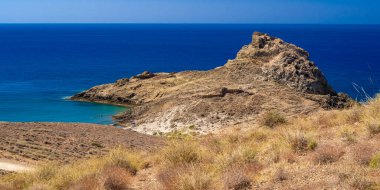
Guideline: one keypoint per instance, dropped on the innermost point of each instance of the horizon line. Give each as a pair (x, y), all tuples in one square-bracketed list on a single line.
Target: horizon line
[(185, 23)]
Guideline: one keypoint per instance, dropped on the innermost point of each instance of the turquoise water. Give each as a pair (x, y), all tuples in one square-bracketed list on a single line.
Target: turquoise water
[(43, 101), (40, 64)]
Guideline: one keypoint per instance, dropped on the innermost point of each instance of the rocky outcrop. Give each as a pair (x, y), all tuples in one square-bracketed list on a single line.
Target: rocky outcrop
[(267, 75), (144, 75), (284, 63)]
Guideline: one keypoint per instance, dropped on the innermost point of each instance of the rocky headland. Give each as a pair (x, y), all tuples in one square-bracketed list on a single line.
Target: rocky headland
[(268, 75)]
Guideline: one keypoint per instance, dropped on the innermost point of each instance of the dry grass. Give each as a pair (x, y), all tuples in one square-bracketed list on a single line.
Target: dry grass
[(272, 119), (56, 176), (363, 153), (280, 175), (88, 182), (300, 143), (327, 154), (331, 150), (182, 152), (185, 177), (236, 178), (348, 136), (117, 179), (373, 127)]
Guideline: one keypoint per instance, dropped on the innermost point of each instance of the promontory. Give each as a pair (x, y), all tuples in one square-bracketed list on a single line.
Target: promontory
[(267, 75)]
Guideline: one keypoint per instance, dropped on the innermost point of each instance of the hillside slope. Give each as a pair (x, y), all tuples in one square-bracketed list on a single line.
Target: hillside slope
[(335, 149)]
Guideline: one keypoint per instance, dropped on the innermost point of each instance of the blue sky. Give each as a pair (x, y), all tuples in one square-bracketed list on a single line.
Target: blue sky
[(191, 11)]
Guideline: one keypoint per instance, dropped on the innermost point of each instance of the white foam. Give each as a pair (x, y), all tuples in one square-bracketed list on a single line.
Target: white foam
[(66, 98)]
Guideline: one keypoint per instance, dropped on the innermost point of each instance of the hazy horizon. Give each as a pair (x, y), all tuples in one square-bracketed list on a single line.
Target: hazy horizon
[(174, 23), (191, 12)]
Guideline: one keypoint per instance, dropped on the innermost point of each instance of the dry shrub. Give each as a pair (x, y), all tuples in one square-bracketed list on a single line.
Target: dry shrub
[(289, 157), (116, 179), (236, 178), (15, 186), (272, 156), (327, 154), (46, 172), (272, 119), (39, 187), (354, 115), (168, 176), (259, 136), (373, 127), (14, 181), (182, 152), (280, 175), (360, 182), (355, 178), (348, 136), (241, 155), (300, 143), (185, 177), (233, 138), (89, 182), (71, 175), (213, 144), (9, 187), (194, 180), (326, 120), (39, 178), (363, 153), (122, 158)]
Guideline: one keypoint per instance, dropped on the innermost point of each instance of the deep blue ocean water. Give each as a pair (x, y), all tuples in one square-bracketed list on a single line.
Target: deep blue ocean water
[(40, 64)]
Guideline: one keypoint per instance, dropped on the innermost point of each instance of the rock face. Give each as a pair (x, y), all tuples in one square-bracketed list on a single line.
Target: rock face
[(284, 63), (267, 75)]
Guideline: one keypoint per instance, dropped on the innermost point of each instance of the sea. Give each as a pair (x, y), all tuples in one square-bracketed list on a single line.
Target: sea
[(43, 64)]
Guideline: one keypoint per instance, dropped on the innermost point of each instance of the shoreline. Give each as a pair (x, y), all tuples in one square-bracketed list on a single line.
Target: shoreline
[(114, 121)]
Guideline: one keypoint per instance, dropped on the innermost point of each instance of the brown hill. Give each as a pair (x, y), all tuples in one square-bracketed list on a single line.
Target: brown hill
[(268, 75)]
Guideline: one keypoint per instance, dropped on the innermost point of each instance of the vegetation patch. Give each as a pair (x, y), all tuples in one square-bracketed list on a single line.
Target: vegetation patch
[(300, 143), (183, 152), (252, 158), (236, 177), (272, 119), (327, 154), (373, 127), (363, 153), (375, 161), (96, 144)]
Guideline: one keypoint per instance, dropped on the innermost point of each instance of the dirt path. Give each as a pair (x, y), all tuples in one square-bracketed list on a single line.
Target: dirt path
[(12, 166)]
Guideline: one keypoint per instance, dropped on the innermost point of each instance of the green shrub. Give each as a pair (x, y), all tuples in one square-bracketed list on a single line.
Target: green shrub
[(193, 127), (97, 145), (312, 145), (375, 161)]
